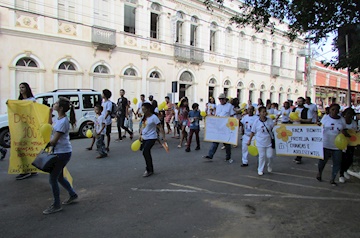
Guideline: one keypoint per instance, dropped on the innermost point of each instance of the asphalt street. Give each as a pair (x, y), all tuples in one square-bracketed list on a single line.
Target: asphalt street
[(186, 197)]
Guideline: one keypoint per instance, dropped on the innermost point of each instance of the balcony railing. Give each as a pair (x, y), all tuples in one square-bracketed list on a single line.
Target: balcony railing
[(103, 38), (275, 71), (243, 64), (299, 76), (188, 54)]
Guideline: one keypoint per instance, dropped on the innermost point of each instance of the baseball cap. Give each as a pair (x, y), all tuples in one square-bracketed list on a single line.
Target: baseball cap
[(222, 95)]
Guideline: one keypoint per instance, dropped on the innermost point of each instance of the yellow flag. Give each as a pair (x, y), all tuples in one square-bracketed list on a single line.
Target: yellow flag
[(25, 119)]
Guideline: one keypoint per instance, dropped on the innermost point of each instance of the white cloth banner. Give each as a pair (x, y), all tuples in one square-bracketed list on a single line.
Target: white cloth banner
[(299, 140), (221, 129)]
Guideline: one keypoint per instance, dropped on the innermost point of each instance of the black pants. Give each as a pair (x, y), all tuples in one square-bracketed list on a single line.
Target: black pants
[(192, 131), (347, 159), (120, 124), (147, 145)]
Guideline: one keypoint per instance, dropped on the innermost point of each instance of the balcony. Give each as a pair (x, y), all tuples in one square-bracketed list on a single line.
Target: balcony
[(188, 54), (299, 76), (103, 38), (242, 64), (275, 71)]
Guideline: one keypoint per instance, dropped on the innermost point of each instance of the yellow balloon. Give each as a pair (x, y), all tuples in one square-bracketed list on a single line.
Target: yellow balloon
[(253, 150), (179, 103), (272, 116), (160, 107), (203, 113), (135, 146), (353, 139), (45, 131), (294, 116), (166, 108), (243, 105), (341, 142), (135, 100), (89, 133)]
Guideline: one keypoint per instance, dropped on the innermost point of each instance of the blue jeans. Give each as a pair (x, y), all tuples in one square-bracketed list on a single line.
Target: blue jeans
[(214, 147), (100, 145), (336, 158), (57, 175), (147, 145)]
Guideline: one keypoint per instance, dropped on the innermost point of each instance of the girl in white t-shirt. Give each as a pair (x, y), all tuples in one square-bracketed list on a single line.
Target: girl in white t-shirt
[(333, 125), (60, 139), (262, 130), (148, 135)]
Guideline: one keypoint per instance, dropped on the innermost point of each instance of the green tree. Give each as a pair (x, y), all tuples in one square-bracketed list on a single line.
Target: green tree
[(314, 19)]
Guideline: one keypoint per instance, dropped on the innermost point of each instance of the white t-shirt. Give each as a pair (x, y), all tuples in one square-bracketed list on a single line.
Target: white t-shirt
[(130, 113), (225, 110), (314, 110), (262, 136), (351, 126), (107, 106), (332, 127), (149, 127), (140, 106), (211, 107), (63, 144), (248, 122), (309, 114), (285, 114), (98, 124), (176, 116), (30, 99)]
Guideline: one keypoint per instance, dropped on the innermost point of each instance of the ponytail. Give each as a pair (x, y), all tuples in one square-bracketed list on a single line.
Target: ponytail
[(67, 105)]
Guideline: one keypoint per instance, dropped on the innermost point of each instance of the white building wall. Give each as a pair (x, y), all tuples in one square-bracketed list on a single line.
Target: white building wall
[(49, 39)]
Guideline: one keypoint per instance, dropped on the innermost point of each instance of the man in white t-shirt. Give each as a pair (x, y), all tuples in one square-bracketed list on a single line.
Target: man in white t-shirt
[(313, 109), (224, 109), (246, 125)]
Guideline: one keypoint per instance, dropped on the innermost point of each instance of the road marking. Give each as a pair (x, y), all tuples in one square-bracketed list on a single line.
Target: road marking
[(293, 175), (301, 185), (163, 190), (191, 187)]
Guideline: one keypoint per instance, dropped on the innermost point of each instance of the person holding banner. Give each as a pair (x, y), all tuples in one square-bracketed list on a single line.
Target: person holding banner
[(25, 94), (333, 125), (262, 130), (306, 117), (224, 109), (284, 114), (60, 140), (246, 124)]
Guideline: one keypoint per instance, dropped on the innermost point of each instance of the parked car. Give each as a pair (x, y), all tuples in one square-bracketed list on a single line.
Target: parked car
[(83, 100)]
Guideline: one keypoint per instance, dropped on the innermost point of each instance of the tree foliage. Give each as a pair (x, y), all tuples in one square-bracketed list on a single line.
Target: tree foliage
[(315, 19)]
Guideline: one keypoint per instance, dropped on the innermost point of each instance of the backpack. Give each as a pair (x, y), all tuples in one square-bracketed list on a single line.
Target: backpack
[(113, 110)]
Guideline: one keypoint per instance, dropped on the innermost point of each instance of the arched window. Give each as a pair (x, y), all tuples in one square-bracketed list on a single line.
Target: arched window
[(212, 81), (67, 66), (193, 31), (26, 62), (155, 75), (101, 69), (179, 27), (130, 72), (186, 77), (213, 29), (154, 20), (240, 85), (227, 83)]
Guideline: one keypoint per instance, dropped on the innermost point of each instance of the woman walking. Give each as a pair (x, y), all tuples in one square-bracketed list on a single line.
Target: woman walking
[(148, 135), (262, 129), (60, 140)]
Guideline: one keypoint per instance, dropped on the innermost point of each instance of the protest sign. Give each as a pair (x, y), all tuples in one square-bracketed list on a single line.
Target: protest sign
[(221, 129), (299, 140)]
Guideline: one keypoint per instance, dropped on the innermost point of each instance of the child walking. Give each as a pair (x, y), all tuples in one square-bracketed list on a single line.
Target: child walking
[(100, 131), (194, 117)]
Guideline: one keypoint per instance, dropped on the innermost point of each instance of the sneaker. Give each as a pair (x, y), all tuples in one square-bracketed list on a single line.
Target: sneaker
[(3, 153), (118, 140), (101, 156), (207, 157), (244, 165), (230, 161), (223, 147), (346, 175), (260, 173), (269, 169), (71, 199), (89, 148), (34, 174), (23, 176), (147, 174), (197, 148), (124, 136), (107, 149), (52, 209), (187, 149), (297, 160), (332, 182), (341, 180)]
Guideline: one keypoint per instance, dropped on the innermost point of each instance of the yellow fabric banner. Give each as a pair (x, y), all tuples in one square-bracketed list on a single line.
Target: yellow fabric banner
[(25, 119)]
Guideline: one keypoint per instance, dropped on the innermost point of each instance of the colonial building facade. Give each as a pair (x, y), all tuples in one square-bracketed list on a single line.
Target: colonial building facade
[(162, 47)]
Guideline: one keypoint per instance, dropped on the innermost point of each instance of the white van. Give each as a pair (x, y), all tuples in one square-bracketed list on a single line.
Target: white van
[(83, 100)]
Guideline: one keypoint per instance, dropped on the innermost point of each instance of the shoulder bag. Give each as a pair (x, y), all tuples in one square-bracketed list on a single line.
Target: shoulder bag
[(271, 136), (45, 160)]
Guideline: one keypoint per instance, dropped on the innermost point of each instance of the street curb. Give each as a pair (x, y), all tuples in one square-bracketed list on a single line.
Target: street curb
[(355, 174)]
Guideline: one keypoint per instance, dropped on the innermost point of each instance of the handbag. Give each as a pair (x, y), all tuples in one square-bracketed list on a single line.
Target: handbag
[(45, 160), (271, 136)]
